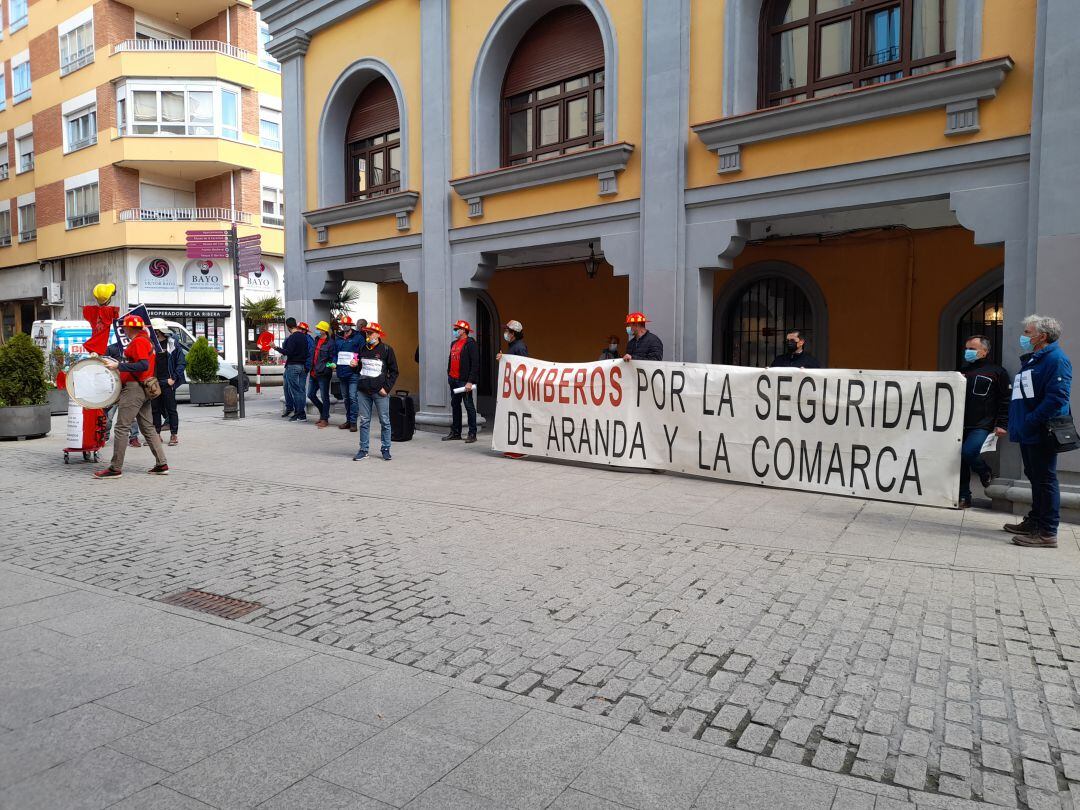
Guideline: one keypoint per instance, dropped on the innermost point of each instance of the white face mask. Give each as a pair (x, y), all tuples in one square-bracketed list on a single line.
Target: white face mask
[(508, 337), (613, 346)]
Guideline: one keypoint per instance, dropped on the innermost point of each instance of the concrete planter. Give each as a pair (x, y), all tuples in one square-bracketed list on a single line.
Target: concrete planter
[(207, 393), (25, 421), (58, 401)]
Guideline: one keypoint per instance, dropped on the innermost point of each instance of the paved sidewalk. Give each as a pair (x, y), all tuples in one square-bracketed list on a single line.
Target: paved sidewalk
[(115, 702), (912, 648)]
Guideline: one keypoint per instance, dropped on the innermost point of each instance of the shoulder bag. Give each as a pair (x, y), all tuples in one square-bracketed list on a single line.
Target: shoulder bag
[(1061, 433)]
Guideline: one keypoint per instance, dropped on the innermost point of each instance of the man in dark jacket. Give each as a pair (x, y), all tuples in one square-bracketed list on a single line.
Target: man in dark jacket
[(321, 362), (169, 365), (462, 373), (1040, 392), (376, 371), (794, 355), (986, 410), (642, 344), (349, 344), (514, 335), (296, 351)]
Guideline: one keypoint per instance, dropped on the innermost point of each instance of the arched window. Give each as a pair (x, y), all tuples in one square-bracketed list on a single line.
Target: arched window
[(373, 143), (987, 317), (553, 91), (760, 316), (815, 48)]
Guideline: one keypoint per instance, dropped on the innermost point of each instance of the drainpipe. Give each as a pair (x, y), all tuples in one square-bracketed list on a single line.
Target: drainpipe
[(228, 25)]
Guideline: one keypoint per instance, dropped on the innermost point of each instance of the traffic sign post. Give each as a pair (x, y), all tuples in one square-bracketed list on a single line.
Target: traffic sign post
[(232, 241)]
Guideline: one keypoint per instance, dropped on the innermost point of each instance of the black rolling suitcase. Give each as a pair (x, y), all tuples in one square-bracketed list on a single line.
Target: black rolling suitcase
[(402, 416)]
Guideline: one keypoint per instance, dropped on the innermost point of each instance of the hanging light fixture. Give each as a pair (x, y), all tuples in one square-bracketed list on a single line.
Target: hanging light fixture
[(591, 263)]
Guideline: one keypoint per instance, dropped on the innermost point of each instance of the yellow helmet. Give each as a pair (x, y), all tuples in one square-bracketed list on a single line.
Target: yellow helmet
[(104, 293), (323, 326)]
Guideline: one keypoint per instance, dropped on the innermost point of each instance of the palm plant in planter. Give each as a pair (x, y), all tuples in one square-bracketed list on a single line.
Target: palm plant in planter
[(24, 395), (58, 396), (204, 385)]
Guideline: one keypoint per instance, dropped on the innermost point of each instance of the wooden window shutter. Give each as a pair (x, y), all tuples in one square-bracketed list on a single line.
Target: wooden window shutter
[(375, 112), (562, 44)]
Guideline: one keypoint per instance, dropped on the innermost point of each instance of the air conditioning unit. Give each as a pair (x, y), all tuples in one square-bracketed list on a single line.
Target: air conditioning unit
[(53, 293)]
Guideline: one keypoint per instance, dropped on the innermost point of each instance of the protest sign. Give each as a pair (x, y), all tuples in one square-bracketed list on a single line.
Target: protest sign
[(888, 435)]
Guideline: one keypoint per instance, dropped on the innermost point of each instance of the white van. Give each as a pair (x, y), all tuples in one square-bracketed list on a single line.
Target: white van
[(70, 335)]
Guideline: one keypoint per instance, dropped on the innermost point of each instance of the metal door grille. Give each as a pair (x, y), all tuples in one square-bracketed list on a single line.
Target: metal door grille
[(759, 318), (985, 318)]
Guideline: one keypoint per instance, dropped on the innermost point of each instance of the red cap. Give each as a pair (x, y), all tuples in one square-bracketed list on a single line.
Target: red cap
[(462, 325), (636, 317), (133, 322)]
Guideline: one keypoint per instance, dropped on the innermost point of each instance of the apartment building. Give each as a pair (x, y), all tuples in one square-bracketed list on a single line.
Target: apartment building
[(888, 176), (123, 125)]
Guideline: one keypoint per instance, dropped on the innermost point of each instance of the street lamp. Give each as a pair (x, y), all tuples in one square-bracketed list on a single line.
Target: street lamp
[(591, 263)]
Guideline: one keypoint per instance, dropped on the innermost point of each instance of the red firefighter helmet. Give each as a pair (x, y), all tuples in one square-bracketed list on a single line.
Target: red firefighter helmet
[(462, 325), (303, 327), (133, 322), (345, 320), (636, 317), (375, 328)]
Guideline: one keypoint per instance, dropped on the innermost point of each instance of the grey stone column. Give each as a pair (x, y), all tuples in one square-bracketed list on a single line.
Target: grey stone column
[(710, 246), (436, 294), (289, 49), (666, 46)]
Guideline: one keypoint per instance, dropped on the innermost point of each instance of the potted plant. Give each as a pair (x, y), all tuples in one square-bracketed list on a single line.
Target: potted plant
[(24, 397), (58, 397), (204, 385)]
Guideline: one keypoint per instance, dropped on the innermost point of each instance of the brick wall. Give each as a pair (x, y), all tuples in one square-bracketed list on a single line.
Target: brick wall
[(50, 204), (113, 22), (249, 111), (245, 29), (106, 106), (247, 197), (213, 192), (11, 151), (44, 54), (7, 80), (118, 188), (48, 130), (214, 28)]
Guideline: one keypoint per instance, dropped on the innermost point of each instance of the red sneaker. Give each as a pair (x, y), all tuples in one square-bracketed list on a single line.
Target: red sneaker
[(108, 472), (159, 469), (134, 442)]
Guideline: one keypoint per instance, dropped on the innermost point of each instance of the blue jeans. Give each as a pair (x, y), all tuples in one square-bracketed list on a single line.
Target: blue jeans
[(320, 387), (456, 401), (348, 393), (295, 400), (382, 405), (970, 460), (1040, 466)]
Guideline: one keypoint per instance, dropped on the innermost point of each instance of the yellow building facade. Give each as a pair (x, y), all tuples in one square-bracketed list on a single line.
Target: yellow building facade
[(124, 126), (885, 177)]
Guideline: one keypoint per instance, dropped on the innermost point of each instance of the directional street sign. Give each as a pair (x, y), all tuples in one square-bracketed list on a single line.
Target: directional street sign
[(207, 252), (207, 234)]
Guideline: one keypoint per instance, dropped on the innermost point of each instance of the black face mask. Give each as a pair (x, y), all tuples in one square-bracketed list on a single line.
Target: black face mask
[(792, 346)]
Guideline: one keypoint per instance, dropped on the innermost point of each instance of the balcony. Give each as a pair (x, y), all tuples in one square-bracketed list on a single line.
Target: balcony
[(193, 11), (188, 157), (185, 215), (78, 60), (82, 220), (183, 46), (26, 162)]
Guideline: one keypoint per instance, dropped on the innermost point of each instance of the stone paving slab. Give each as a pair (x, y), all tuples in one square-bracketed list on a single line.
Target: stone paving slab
[(897, 648)]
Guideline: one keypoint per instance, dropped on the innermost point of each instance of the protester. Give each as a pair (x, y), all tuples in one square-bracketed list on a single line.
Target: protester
[(611, 351), (321, 363), (349, 344), (514, 335), (642, 344), (377, 370), (986, 410), (1040, 393), (296, 351), (136, 367), (463, 373), (794, 355), (116, 352), (169, 365)]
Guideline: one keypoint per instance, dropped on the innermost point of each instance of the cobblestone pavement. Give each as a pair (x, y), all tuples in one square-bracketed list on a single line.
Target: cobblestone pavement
[(910, 647)]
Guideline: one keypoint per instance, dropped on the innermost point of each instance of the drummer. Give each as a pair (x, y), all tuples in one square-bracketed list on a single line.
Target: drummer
[(136, 367)]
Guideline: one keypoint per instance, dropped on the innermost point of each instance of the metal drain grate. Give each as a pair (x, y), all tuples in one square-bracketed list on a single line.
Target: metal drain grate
[(212, 603)]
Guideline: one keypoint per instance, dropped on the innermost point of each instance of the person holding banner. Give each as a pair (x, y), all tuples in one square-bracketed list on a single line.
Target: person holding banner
[(377, 371), (349, 343), (1040, 397), (321, 362), (514, 335), (136, 367), (794, 355), (642, 344), (462, 373), (986, 411)]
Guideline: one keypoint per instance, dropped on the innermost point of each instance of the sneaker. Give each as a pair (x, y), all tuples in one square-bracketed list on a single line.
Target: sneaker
[(1036, 539), (986, 479), (174, 440), (360, 455), (159, 469), (108, 472), (134, 442), (451, 437), (344, 425), (470, 438), (287, 413), (294, 418), (322, 423), (386, 455), (1025, 526), (352, 427), (964, 503), (301, 418)]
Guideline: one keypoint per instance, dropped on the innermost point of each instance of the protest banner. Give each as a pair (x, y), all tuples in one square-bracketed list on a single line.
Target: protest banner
[(887, 435)]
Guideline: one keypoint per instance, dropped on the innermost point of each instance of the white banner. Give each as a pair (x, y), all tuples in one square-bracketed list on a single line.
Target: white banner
[(888, 435)]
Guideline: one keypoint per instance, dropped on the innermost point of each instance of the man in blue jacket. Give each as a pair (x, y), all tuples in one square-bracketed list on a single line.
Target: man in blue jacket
[(296, 351), (349, 344), (1040, 392)]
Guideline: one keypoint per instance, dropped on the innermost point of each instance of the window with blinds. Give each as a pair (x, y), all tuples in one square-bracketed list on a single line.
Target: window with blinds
[(373, 143)]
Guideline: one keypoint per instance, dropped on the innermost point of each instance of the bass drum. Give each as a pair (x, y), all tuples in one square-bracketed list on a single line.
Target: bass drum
[(93, 384)]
